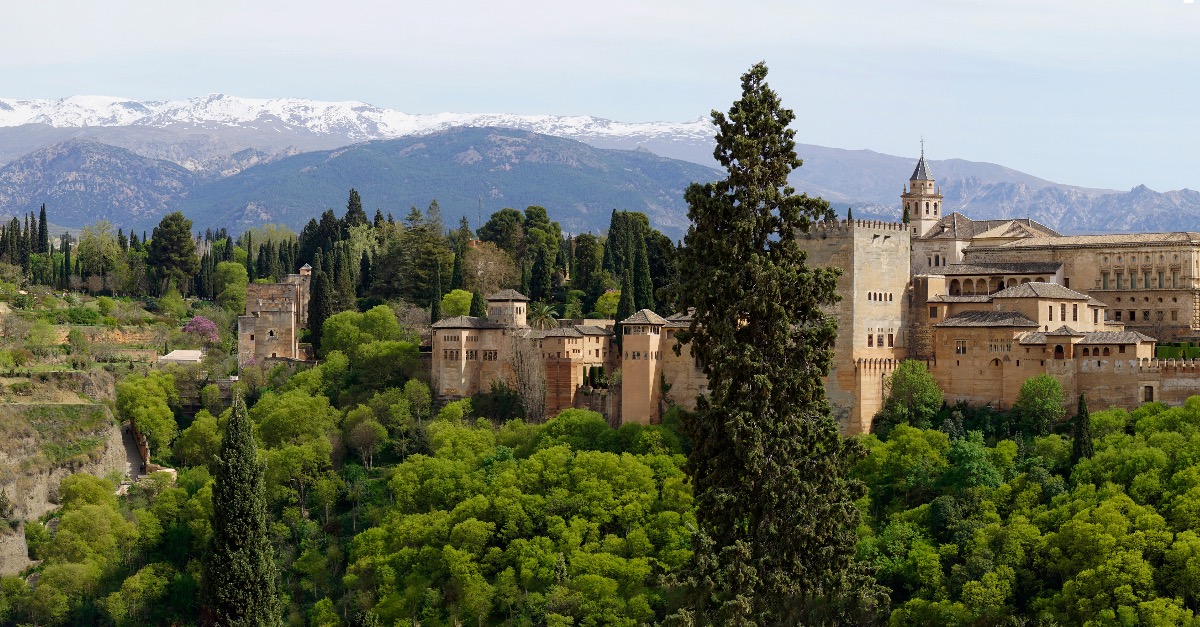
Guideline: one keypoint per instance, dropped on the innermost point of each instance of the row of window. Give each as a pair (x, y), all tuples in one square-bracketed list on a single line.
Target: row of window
[(1062, 316), (960, 348), (1133, 259), (472, 355), (879, 296), (639, 355), (1159, 316), (874, 338), (1122, 281)]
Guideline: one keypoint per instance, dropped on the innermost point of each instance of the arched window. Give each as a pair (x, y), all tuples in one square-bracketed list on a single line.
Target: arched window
[(1106, 351), (1086, 353), (1059, 353), (955, 288)]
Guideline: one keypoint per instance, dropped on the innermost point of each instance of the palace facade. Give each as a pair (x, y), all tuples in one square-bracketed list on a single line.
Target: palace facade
[(988, 304)]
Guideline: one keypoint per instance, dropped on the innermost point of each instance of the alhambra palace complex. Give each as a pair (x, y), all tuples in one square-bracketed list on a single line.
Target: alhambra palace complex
[(985, 304)]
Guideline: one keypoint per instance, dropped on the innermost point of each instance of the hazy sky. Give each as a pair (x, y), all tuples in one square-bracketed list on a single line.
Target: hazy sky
[(1099, 93)]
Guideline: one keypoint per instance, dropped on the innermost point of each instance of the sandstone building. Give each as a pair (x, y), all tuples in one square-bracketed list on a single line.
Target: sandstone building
[(275, 315), (471, 354), (988, 304)]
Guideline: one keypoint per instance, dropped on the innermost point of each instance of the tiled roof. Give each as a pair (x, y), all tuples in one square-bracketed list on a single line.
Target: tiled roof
[(1094, 337), (1065, 330), (508, 295), (1115, 337), (466, 322), (1178, 237), (1096, 303), (645, 316), (988, 319), (1040, 290), (1020, 267), (942, 298), (558, 332), (957, 226), (922, 171), (591, 329), (680, 320)]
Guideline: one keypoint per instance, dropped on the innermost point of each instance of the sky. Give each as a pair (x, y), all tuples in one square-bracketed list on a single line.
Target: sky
[(1097, 93)]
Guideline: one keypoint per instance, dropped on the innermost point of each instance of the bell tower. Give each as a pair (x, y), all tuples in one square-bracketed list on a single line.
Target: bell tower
[(922, 199)]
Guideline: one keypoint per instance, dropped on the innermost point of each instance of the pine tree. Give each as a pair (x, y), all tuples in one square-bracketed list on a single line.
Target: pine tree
[(320, 301), (173, 252), (239, 568), (643, 286), (478, 305), (1083, 446), (435, 302), (775, 512)]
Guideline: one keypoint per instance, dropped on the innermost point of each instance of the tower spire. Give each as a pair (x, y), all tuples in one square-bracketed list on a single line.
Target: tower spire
[(922, 146)]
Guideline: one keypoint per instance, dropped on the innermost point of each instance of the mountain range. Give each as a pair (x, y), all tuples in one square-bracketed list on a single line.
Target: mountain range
[(229, 161)]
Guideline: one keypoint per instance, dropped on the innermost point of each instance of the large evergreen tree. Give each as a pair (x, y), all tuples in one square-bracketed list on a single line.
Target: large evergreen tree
[(43, 232), (173, 252), (775, 511), (320, 301), (239, 569), (1083, 447), (478, 305), (643, 286), (435, 303), (355, 216)]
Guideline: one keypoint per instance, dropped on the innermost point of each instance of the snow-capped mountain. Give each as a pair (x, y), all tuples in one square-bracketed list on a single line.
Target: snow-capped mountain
[(353, 121)]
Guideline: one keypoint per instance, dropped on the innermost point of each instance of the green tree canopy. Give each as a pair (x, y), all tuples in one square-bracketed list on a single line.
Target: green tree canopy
[(1040, 404)]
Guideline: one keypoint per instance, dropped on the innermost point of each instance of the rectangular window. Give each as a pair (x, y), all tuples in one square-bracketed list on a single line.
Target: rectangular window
[(879, 340), (1146, 280), (1160, 315), (1174, 315), (890, 339), (870, 340), (1161, 279), (1118, 316), (1066, 282), (1095, 316), (1121, 348), (1075, 312), (1050, 312), (1132, 280), (1104, 280), (960, 347), (933, 312), (1062, 309), (1174, 278), (1119, 277), (1132, 316), (1145, 315)]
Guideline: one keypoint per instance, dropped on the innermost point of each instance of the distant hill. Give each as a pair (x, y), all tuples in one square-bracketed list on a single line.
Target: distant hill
[(83, 181), (579, 185), (242, 156)]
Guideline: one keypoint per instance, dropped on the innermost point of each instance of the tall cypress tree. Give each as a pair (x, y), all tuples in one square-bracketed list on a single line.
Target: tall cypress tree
[(239, 569), (435, 303), (355, 216), (1083, 447), (320, 301), (364, 274), (456, 276), (775, 510), (65, 276), (343, 283), (43, 231), (539, 277), (478, 305), (643, 285)]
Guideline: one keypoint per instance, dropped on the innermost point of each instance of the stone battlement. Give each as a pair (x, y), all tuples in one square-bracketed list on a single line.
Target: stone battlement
[(849, 227)]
